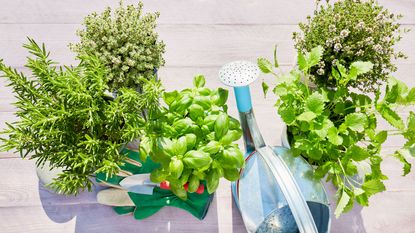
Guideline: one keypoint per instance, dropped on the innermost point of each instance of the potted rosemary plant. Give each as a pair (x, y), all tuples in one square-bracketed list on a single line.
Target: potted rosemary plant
[(67, 121)]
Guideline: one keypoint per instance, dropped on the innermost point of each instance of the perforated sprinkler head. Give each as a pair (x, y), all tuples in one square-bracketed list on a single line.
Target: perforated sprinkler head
[(238, 73)]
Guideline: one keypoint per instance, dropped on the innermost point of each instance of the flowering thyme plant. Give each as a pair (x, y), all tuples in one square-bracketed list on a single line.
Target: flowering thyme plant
[(349, 31), (124, 41), (336, 129)]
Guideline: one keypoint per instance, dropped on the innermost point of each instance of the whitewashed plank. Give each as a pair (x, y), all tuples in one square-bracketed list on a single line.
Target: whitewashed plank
[(180, 11), (187, 45)]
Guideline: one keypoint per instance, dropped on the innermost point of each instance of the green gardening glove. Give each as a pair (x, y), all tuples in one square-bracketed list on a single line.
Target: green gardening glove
[(143, 205)]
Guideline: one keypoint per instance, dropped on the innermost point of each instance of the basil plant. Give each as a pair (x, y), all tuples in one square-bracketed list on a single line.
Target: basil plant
[(336, 129), (193, 138)]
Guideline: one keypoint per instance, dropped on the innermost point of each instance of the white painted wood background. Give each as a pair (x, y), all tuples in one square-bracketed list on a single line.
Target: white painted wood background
[(201, 35)]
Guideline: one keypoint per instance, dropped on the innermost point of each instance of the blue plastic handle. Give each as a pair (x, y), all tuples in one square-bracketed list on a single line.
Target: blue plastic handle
[(243, 98)]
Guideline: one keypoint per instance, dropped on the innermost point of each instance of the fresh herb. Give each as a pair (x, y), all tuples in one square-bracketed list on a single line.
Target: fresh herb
[(125, 41), (67, 119), (336, 128), (193, 139), (349, 31)]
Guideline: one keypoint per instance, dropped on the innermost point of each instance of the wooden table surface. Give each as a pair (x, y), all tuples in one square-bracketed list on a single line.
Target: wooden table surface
[(201, 35)]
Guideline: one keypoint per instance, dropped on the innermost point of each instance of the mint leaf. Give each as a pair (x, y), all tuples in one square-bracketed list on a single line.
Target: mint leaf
[(306, 116), (411, 121), (302, 62), (341, 205), (381, 136), (275, 57), (199, 81), (390, 116), (410, 98), (400, 155), (314, 57), (315, 103), (357, 153), (373, 186), (333, 136), (358, 68), (265, 88), (264, 65), (356, 121)]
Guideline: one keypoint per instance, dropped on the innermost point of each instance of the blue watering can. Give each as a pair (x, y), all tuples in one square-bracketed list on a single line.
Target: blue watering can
[(276, 191)]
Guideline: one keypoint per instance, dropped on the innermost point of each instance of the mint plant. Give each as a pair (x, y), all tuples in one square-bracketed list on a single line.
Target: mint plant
[(349, 31), (192, 137), (67, 119), (336, 129), (125, 42)]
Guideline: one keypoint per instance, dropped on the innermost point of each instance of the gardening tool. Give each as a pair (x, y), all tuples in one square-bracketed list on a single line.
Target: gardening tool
[(286, 198)]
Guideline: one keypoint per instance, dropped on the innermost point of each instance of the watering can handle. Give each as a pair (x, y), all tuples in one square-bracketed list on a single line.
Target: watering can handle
[(290, 189)]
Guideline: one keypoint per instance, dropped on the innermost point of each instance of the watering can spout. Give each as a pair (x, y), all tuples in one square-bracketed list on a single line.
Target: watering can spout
[(239, 75)]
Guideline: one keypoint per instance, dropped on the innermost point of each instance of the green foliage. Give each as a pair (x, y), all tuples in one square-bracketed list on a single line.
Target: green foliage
[(336, 130), (193, 137), (350, 31), (125, 41), (66, 118)]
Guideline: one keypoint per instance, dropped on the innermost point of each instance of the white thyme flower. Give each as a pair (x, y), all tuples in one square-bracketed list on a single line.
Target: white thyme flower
[(337, 47), (344, 33), (334, 62), (320, 71), (378, 48), (332, 28), (360, 26)]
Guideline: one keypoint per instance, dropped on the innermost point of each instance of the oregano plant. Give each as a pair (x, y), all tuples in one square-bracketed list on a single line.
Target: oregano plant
[(336, 128)]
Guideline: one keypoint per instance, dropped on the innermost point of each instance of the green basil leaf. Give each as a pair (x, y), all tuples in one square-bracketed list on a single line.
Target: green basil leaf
[(183, 104), (203, 101), (223, 97), (199, 81), (231, 157), (231, 174), (221, 126), (180, 146), (184, 178), (234, 123), (158, 175), (190, 141), (212, 180), (183, 126), (169, 97), (231, 136), (196, 159), (165, 146), (196, 111), (209, 121), (176, 168), (178, 190), (194, 183), (212, 147)]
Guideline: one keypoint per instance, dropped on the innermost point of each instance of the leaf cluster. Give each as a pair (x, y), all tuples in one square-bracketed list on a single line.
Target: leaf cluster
[(193, 137), (67, 118), (350, 31), (126, 43), (336, 129)]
